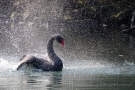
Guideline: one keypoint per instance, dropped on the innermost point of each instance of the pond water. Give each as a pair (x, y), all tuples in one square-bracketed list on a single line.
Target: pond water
[(76, 75)]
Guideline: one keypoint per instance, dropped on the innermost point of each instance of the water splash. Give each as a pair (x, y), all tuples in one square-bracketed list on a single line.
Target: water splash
[(5, 65), (83, 67)]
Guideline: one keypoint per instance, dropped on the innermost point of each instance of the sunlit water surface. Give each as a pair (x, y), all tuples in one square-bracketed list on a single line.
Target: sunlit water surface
[(76, 75)]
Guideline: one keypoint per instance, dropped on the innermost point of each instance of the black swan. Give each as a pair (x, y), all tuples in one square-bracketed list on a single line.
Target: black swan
[(54, 64)]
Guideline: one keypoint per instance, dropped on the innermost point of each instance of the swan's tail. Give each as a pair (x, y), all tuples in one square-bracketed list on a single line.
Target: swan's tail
[(19, 66)]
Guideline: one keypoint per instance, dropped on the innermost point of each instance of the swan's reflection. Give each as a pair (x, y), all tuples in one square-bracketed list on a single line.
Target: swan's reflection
[(43, 80)]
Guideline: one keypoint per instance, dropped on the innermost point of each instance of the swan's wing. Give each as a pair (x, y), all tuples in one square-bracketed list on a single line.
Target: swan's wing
[(38, 63), (23, 61)]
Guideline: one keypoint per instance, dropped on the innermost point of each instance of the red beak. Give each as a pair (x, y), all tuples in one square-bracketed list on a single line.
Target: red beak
[(62, 42)]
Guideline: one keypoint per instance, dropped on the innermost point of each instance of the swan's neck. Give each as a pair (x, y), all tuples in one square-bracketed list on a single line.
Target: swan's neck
[(52, 55)]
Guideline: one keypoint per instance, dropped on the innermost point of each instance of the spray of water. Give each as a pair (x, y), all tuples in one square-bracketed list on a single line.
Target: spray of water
[(5, 65), (91, 67), (32, 24)]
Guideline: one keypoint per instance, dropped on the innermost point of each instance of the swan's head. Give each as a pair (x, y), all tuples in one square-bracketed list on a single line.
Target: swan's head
[(59, 39)]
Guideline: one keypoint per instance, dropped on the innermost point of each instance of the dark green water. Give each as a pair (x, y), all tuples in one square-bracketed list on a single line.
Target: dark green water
[(65, 80)]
